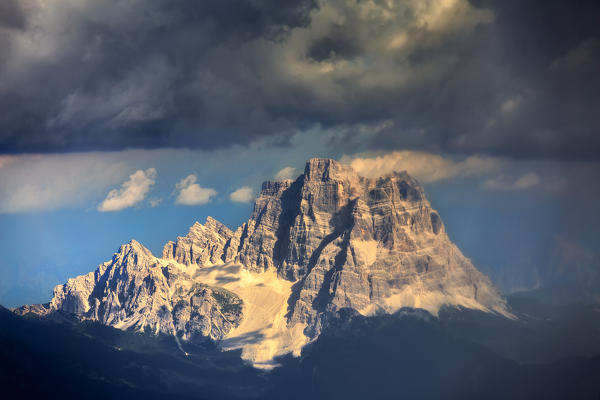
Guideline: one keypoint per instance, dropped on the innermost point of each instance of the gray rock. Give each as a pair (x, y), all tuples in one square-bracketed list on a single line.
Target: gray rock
[(353, 242), (135, 291), (204, 244)]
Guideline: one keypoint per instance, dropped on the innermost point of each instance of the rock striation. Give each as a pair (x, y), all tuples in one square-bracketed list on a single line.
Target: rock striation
[(344, 241), (350, 242), (204, 244)]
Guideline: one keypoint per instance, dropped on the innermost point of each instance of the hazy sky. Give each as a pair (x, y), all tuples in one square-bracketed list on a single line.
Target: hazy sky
[(134, 118)]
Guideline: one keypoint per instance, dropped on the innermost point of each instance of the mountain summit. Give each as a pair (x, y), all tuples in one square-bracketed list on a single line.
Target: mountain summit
[(328, 240)]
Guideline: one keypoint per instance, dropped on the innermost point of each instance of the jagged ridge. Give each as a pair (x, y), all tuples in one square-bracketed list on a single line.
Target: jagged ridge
[(135, 290)]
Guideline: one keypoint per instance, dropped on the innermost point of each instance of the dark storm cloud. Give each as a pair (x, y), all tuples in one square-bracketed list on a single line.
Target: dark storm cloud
[(11, 15), (114, 74), (331, 47), (524, 85), (510, 78), (536, 84)]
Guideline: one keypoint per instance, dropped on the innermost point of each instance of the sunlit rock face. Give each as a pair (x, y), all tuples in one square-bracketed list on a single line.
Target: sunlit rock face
[(329, 240), (366, 244)]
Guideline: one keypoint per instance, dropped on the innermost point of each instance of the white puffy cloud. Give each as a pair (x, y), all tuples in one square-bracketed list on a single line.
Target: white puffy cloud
[(501, 183), (191, 193), (285, 173), (424, 166), (132, 191), (242, 195)]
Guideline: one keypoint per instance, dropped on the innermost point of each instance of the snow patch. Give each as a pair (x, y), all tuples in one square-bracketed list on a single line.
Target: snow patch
[(263, 333), (365, 250)]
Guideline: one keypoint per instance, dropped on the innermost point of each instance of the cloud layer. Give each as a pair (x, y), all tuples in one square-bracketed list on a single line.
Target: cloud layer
[(426, 167), (36, 183), (285, 173), (132, 192), (441, 75)]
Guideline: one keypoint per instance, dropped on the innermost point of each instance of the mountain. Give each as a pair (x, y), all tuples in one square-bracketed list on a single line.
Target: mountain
[(327, 241)]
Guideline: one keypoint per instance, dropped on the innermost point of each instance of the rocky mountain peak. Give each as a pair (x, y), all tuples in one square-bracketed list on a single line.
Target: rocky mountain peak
[(350, 241), (133, 247), (325, 169), (274, 188), (204, 244), (133, 253), (217, 227), (328, 240), (197, 226)]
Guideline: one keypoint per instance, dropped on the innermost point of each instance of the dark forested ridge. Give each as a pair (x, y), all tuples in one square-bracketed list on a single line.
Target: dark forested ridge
[(411, 354)]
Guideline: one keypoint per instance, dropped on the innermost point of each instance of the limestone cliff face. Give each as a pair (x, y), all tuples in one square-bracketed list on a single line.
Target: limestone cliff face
[(348, 241), (365, 244), (345, 241)]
